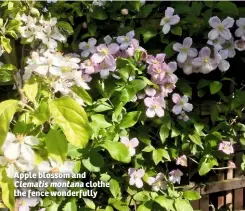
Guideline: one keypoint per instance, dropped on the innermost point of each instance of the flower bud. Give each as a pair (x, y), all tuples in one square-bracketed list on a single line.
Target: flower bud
[(84, 25), (124, 11)]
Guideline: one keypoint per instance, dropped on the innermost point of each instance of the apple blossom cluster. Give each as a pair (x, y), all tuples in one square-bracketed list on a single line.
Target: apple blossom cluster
[(222, 41), (62, 71), (18, 155), (40, 29)]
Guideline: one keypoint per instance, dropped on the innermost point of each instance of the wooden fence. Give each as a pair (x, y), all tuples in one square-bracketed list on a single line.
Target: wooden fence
[(225, 191)]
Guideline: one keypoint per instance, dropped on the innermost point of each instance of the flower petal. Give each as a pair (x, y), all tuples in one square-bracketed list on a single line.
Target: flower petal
[(166, 28), (214, 21), (174, 20), (182, 57), (177, 109), (192, 52), (31, 140), (224, 65), (150, 112), (12, 151), (169, 12), (187, 42), (134, 142), (177, 47), (213, 34), (228, 22), (226, 34), (92, 42)]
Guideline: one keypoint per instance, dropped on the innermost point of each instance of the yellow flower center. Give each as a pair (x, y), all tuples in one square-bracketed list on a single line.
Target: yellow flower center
[(104, 51), (20, 137), (206, 60), (220, 27)]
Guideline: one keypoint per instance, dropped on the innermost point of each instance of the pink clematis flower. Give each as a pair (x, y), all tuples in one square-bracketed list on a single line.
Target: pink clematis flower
[(105, 53), (204, 62), (240, 45), (152, 60), (136, 177), (240, 32), (170, 77), (183, 116), (220, 28), (226, 147), (130, 144), (175, 176), (185, 50), (169, 20), (217, 43), (88, 67), (155, 106), (88, 48), (167, 88), (149, 91), (182, 160), (125, 41), (158, 182), (106, 68), (157, 72), (181, 104)]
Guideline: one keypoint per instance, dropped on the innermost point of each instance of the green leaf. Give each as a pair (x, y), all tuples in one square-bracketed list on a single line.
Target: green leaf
[(165, 202), (41, 114), (227, 7), (206, 164), (238, 100), (215, 86), (147, 206), (72, 119), (66, 26), (158, 154), (98, 13), (5, 42), (130, 119), (142, 196), (89, 203), (148, 34), (94, 161), (81, 92), (164, 132), (177, 30), (99, 119), (7, 190), (56, 145), (31, 89), (191, 195), (182, 205), (115, 188), (169, 49), (7, 72), (69, 206), (7, 111), (118, 151), (202, 83), (184, 87), (214, 112), (198, 127), (195, 138)]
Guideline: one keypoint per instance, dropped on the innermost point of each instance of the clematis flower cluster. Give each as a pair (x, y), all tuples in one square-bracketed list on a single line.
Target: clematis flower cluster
[(40, 29), (226, 147), (181, 106), (158, 182), (163, 75), (18, 155)]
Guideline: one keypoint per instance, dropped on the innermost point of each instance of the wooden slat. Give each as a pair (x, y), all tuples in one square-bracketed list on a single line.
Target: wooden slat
[(204, 203), (238, 193), (228, 197), (221, 197), (225, 185), (196, 204)]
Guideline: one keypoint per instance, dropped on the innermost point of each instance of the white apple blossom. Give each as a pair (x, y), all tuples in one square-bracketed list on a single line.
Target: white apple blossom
[(26, 203), (169, 20), (20, 145), (185, 50), (220, 28), (16, 165)]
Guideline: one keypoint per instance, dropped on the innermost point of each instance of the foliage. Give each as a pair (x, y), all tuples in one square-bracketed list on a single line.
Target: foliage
[(112, 89)]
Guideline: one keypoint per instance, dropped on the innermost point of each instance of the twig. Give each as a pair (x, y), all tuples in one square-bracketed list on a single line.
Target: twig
[(22, 96)]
